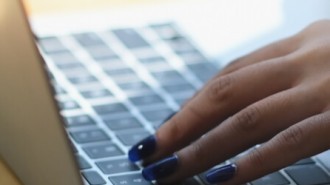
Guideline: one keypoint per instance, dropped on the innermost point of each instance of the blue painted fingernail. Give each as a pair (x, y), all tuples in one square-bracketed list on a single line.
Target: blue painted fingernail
[(221, 174), (142, 149), (161, 169)]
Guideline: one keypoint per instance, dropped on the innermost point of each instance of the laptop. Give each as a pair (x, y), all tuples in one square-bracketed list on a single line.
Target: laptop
[(72, 104)]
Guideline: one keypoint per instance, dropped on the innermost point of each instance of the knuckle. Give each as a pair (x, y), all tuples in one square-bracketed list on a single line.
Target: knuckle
[(219, 88), (195, 112), (175, 130), (293, 137), (247, 120), (256, 158)]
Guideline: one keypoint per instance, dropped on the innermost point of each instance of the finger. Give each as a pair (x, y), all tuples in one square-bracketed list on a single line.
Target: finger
[(255, 124), (304, 139), (277, 49), (219, 100)]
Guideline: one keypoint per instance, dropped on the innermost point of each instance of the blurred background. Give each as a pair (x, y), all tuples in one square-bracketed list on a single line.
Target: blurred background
[(224, 29)]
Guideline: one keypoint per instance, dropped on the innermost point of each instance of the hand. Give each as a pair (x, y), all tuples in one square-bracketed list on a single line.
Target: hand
[(277, 95)]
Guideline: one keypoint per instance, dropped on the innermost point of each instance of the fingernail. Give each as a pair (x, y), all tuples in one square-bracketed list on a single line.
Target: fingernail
[(221, 174), (160, 169), (142, 149)]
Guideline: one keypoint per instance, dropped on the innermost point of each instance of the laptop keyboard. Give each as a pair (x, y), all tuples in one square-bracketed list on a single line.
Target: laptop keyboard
[(115, 87)]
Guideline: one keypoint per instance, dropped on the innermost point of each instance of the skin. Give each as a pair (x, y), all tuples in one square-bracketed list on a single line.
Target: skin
[(277, 95)]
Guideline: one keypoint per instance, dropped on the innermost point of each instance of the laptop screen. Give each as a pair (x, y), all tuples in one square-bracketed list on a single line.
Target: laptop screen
[(32, 140)]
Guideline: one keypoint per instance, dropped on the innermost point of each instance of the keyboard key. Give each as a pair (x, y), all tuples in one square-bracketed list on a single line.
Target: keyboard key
[(324, 159), (153, 60), (96, 93), (133, 87), (63, 57), (304, 161), (193, 57), (308, 175), (146, 100), (130, 138), (58, 89), (271, 179), (93, 178), (82, 163), (103, 150), (81, 120), (181, 45), (179, 88), (110, 109), (67, 68), (51, 45), (131, 179), (89, 136), (130, 38), (120, 73), (101, 52), (166, 31), (169, 77), (204, 71), (157, 117), (116, 166), (88, 39), (121, 123), (80, 80), (68, 105)]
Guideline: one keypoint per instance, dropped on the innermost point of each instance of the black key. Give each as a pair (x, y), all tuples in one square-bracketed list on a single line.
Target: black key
[(131, 87), (130, 138), (271, 179), (80, 80), (179, 88), (131, 179), (68, 105), (130, 38), (169, 77), (51, 45), (204, 71), (101, 52), (89, 39), (103, 150), (93, 178), (81, 120), (146, 100), (308, 175), (110, 109), (96, 93), (304, 161), (89, 136), (83, 164), (157, 117), (122, 122), (116, 166)]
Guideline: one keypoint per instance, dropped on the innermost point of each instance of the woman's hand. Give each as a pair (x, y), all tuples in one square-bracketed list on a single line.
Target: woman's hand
[(278, 95)]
